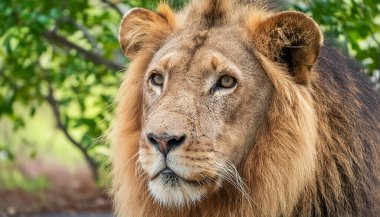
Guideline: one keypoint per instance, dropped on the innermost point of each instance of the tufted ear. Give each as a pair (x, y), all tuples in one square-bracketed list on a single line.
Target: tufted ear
[(291, 38), (144, 30)]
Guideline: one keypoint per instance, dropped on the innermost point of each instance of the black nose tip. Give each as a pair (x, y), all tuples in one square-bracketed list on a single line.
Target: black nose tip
[(164, 142)]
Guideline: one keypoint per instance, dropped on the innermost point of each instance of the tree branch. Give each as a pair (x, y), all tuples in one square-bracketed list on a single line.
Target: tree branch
[(85, 32), (57, 115), (93, 57), (114, 6)]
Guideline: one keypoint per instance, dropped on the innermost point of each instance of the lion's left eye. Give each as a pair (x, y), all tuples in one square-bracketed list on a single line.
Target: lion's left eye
[(226, 82)]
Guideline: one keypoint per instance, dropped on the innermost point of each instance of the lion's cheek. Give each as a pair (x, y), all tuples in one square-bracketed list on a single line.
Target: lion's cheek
[(231, 145)]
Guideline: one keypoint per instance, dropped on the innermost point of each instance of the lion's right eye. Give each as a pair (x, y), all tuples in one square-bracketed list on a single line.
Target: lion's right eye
[(226, 82), (157, 79)]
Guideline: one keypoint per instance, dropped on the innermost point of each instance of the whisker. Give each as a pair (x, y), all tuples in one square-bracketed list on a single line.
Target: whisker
[(229, 173), (131, 158)]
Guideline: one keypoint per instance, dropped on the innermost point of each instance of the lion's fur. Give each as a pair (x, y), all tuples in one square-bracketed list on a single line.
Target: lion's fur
[(336, 112)]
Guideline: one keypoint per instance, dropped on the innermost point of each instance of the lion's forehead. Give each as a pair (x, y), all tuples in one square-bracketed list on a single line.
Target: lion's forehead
[(193, 49)]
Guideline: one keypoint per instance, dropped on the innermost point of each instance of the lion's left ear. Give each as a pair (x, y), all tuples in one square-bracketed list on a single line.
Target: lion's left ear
[(292, 38)]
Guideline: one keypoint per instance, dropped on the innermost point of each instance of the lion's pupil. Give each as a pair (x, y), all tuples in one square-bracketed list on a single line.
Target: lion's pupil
[(227, 82), (158, 79)]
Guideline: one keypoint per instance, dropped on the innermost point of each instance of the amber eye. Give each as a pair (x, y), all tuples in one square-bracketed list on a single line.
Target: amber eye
[(226, 82), (157, 79)]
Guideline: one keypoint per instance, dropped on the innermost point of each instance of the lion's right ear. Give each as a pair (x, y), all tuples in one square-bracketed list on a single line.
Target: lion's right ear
[(144, 30), (291, 38)]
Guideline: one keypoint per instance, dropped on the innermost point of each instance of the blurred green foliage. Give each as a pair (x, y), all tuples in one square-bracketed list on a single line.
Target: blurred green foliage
[(65, 54), (353, 25)]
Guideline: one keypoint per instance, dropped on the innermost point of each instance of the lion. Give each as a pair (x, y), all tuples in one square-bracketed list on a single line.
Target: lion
[(232, 108)]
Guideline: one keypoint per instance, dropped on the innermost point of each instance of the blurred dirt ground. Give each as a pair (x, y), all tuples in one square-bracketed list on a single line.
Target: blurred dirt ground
[(80, 215), (68, 192)]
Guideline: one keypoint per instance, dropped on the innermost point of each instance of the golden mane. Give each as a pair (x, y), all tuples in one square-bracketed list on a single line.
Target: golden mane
[(345, 178)]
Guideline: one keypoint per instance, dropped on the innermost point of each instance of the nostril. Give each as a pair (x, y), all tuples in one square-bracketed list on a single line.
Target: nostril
[(175, 142), (152, 139)]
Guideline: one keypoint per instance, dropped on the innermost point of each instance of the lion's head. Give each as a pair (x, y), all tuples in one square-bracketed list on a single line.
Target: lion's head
[(216, 98), (203, 106)]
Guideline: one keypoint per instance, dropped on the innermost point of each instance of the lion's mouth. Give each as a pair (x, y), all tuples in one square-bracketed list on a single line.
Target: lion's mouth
[(171, 187), (170, 178)]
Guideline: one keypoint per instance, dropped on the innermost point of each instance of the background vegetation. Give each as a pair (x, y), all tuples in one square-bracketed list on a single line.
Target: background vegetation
[(60, 67)]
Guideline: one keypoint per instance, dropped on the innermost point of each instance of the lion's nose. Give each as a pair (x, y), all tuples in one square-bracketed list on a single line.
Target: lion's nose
[(164, 142)]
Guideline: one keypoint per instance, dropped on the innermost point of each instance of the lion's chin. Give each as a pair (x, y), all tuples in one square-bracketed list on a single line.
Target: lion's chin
[(175, 191)]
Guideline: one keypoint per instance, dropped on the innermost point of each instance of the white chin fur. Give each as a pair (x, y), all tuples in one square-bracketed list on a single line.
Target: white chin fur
[(178, 195)]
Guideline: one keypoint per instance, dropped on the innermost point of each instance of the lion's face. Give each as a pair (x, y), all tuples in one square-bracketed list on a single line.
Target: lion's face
[(202, 109)]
